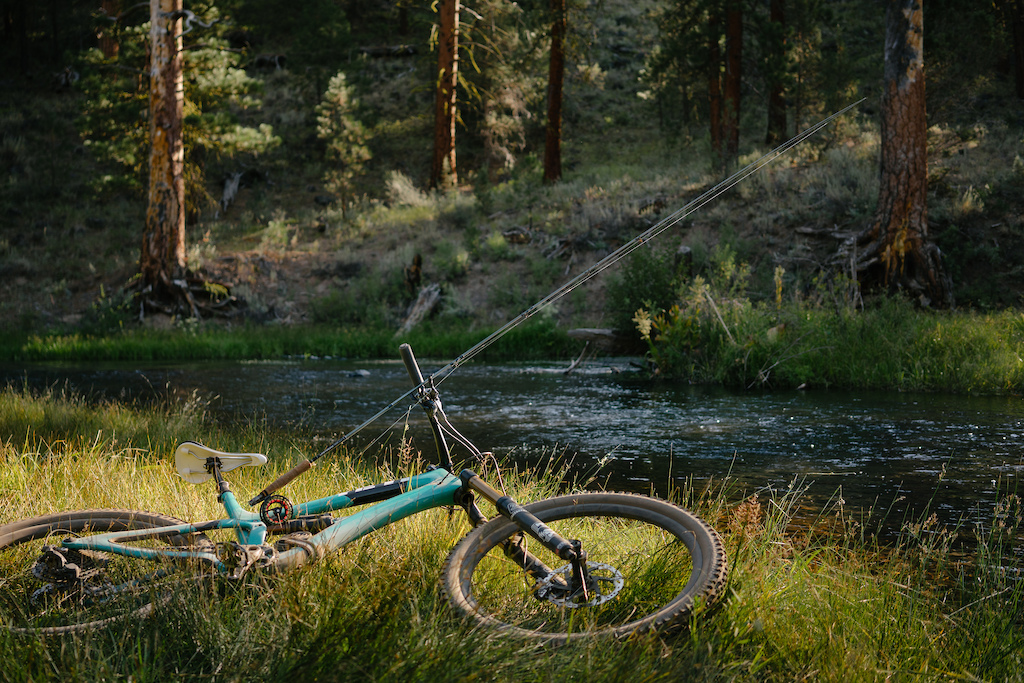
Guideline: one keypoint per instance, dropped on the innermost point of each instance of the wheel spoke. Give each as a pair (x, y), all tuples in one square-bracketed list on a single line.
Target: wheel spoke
[(51, 589)]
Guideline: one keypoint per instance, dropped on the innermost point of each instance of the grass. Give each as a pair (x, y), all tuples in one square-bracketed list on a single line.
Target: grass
[(887, 344), (821, 600), (438, 339)]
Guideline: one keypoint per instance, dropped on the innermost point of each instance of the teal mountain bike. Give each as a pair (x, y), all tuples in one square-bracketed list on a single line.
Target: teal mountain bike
[(577, 565)]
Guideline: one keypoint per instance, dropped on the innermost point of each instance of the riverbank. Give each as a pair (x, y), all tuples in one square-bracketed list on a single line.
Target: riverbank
[(889, 344), (534, 341), (827, 601), (735, 342)]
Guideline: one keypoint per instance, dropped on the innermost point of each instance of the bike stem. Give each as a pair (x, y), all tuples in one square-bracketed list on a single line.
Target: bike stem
[(430, 401)]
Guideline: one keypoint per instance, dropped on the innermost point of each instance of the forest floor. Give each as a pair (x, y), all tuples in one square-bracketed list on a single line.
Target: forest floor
[(71, 227)]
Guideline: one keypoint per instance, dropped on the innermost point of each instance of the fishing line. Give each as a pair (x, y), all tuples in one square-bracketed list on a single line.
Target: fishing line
[(643, 238), (607, 262)]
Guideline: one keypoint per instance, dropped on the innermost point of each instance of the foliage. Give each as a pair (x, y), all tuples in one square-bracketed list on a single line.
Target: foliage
[(217, 94), (708, 337), (345, 137), (310, 34), (370, 301), (649, 280), (503, 75)]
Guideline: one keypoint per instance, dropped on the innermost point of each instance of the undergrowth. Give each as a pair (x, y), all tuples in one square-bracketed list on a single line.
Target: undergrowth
[(711, 331), (437, 339)]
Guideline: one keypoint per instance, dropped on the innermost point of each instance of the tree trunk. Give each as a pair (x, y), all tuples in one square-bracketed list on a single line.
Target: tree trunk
[(898, 254), (1013, 11), (776, 68), (107, 42), (556, 73), (733, 71), (162, 262), (443, 168), (715, 85)]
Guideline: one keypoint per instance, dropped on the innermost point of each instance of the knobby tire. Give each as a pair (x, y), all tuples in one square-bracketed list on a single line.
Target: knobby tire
[(669, 562), (21, 543)]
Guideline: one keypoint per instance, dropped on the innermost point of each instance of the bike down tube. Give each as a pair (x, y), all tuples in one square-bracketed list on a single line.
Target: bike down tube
[(367, 495), (437, 488)]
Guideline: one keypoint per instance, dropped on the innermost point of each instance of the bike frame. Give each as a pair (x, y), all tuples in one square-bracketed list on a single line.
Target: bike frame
[(391, 502)]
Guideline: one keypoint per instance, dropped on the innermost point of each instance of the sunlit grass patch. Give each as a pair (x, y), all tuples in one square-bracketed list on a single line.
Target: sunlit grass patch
[(822, 597)]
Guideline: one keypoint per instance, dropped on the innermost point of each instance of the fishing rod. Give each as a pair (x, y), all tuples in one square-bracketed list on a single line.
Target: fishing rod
[(607, 262), (643, 238)]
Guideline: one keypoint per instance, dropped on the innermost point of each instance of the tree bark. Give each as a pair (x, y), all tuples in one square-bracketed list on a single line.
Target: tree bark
[(733, 71), (776, 132), (443, 169), (556, 74), (162, 263), (107, 42), (898, 254)]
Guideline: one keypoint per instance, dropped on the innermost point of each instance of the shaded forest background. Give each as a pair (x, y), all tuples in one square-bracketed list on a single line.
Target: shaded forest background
[(309, 135)]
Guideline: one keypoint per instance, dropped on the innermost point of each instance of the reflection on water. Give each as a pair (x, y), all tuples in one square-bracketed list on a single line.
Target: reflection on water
[(882, 449)]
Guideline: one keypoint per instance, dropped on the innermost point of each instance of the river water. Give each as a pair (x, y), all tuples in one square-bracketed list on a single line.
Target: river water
[(897, 452)]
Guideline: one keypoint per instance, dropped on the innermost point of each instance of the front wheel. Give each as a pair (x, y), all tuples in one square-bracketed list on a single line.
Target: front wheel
[(650, 564), (48, 589)]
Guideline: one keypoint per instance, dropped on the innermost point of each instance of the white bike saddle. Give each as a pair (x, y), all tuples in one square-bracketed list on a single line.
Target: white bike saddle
[(190, 460)]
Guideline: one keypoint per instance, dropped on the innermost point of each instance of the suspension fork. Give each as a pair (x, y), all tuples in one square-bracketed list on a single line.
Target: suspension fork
[(569, 550)]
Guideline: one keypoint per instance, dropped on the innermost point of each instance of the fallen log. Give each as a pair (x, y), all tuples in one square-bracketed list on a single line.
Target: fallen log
[(427, 300)]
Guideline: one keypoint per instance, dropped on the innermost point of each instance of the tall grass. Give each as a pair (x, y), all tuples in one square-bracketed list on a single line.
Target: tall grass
[(890, 344), (437, 339), (819, 601)]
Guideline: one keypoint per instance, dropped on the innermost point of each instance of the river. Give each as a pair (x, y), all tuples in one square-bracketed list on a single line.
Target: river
[(894, 452)]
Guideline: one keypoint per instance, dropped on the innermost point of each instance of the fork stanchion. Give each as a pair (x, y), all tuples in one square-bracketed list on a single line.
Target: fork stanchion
[(522, 517)]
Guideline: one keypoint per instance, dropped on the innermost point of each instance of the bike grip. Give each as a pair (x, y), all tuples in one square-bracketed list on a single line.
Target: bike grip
[(281, 481), (410, 364)]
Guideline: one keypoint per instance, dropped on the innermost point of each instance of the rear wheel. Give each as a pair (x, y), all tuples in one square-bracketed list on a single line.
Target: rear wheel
[(650, 563), (45, 588)]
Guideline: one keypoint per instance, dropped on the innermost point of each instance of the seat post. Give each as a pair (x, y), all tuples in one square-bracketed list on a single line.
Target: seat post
[(213, 467)]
